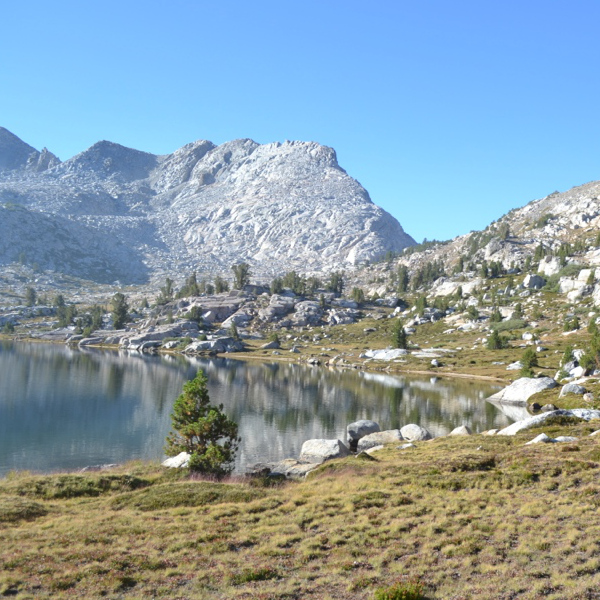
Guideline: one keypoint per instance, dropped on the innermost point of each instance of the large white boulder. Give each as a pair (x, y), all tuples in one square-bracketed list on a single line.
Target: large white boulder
[(359, 429), (177, 462), (521, 389), (581, 413), (318, 451), (414, 433), (379, 438)]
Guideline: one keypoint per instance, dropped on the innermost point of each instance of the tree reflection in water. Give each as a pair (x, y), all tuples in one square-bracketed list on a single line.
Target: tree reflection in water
[(62, 408)]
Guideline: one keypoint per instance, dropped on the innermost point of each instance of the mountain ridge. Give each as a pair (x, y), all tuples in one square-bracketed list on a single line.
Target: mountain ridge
[(278, 206)]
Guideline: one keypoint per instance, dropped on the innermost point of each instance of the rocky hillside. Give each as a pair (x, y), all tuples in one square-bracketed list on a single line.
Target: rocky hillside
[(114, 213), (544, 233)]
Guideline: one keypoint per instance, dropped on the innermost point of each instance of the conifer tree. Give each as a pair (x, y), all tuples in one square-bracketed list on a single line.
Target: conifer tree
[(202, 430)]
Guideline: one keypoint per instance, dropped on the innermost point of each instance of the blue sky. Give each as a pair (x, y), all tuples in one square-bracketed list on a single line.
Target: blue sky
[(449, 113)]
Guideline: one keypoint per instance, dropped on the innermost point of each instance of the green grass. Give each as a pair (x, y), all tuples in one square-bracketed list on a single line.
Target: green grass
[(473, 517)]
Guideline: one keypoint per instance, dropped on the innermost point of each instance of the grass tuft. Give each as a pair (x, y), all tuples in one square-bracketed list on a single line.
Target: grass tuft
[(188, 494)]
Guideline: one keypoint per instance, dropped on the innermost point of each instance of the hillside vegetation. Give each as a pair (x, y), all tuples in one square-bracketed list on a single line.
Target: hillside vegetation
[(474, 517)]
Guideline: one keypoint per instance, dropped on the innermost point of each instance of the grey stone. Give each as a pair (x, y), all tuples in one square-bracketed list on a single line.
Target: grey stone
[(580, 413), (293, 469), (548, 407), (359, 429), (177, 462), (462, 430), (320, 450), (389, 354), (521, 389), (542, 438), (415, 433), (379, 438), (572, 388), (535, 282)]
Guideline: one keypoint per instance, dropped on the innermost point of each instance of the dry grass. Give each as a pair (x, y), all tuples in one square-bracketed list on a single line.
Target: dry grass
[(476, 517)]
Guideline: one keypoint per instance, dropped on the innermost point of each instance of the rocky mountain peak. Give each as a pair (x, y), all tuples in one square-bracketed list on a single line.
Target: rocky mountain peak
[(110, 160), (279, 206), (14, 152)]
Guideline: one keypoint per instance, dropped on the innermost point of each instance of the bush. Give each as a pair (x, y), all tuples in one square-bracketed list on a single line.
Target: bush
[(202, 430), (571, 324), (528, 360), (403, 590), (496, 341), (509, 325), (399, 337)]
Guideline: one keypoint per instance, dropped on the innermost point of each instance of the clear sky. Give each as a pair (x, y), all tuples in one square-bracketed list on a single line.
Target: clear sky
[(450, 113)]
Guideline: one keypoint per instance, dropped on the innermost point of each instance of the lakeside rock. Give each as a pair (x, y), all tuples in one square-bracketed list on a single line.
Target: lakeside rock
[(520, 390), (359, 429), (414, 433), (320, 450), (379, 438)]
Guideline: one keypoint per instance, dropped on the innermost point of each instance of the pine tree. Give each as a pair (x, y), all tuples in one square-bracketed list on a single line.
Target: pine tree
[(202, 430), (119, 309), (399, 337)]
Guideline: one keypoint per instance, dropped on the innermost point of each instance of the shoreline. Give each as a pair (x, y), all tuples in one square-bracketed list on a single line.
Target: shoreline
[(382, 366)]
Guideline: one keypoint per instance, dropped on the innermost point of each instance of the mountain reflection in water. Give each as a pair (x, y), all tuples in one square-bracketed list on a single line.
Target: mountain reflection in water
[(63, 408)]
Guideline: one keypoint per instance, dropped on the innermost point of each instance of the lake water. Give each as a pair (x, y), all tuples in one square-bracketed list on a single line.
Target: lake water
[(63, 408)]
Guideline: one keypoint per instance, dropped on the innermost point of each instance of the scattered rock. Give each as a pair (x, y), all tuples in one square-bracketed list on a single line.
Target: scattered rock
[(580, 413), (177, 462), (542, 438), (572, 388), (415, 433), (319, 450), (379, 438), (462, 430), (521, 389), (359, 429)]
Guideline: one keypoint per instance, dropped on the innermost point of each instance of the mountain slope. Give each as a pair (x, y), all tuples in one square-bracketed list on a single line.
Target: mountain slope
[(204, 207)]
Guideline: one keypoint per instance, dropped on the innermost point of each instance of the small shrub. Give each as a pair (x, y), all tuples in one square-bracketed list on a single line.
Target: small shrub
[(17, 509), (403, 590), (571, 324), (496, 341), (509, 325), (399, 337), (528, 360), (260, 574)]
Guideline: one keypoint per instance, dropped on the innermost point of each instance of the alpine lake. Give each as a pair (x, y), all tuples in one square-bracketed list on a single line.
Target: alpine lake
[(62, 409)]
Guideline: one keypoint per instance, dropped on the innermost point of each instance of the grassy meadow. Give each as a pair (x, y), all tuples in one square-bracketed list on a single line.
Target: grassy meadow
[(454, 518)]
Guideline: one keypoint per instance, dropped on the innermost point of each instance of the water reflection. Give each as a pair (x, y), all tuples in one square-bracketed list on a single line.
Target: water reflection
[(62, 408)]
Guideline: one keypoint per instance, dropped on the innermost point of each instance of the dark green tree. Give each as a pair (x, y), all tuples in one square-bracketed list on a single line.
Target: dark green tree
[(358, 296), (403, 279), (202, 430), (221, 285), (241, 275), (276, 285), (30, 296), (312, 284), (295, 282), (399, 337), (119, 309), (496, 341), (528, 361), (166, 292), (190, 288), (335, 283), (233, 331), (496, 315)]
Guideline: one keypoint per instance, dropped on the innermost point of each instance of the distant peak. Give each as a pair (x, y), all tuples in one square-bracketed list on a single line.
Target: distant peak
[(14, 152)]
